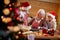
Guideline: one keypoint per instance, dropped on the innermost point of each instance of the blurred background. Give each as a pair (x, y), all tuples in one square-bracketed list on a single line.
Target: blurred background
[(48, 5)]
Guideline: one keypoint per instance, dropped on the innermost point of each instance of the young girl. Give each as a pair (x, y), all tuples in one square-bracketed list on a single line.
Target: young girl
[(52, 20)]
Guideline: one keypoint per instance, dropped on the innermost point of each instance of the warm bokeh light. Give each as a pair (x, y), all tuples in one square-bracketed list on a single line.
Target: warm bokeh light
[(10, 8), (19, 32), (16, 28), (6, 20), (6, 2), (17, 37), (6, 11), (2, 17)]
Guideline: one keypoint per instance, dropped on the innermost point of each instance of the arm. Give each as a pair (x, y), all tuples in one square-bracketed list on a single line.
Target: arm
[(44, 24), (54, 25)]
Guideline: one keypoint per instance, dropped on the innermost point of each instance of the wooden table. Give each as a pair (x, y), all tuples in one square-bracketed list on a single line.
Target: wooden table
[(55, 37)]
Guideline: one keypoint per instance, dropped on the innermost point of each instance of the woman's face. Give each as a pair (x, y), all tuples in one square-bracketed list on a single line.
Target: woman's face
[(50, 18), (39, 15)]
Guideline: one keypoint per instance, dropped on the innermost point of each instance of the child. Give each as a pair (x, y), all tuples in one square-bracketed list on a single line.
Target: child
[(52, 20)]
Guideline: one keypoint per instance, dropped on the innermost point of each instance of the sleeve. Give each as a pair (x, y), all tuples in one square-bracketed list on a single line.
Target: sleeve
[(30, 23), (43, 24), (55, 25)]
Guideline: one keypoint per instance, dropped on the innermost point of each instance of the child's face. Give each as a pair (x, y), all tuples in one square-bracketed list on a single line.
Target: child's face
[(50, 18)]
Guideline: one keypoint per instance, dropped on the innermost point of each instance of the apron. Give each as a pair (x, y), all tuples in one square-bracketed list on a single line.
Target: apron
[(35, 23)]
